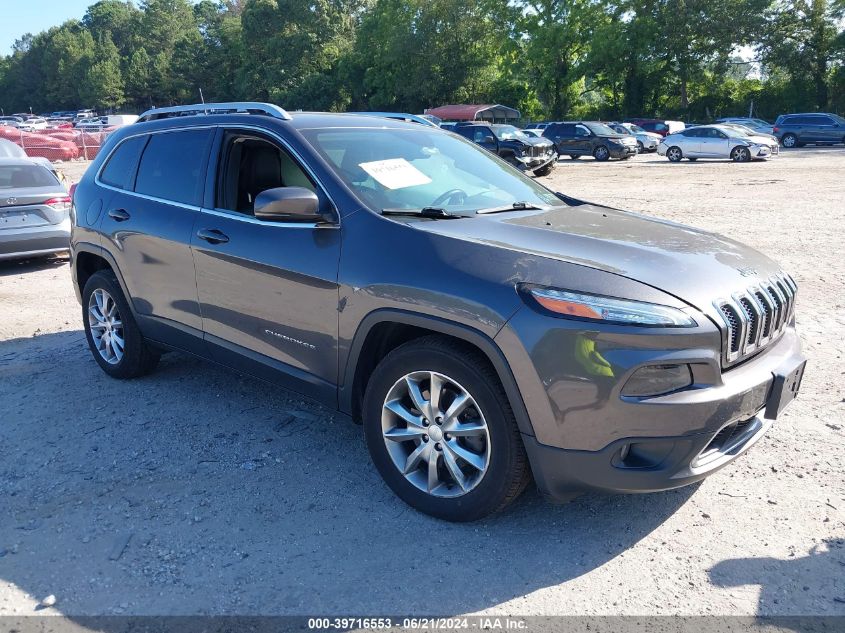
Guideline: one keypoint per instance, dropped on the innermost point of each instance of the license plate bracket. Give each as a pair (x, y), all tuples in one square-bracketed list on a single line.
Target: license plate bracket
[(784, 389)]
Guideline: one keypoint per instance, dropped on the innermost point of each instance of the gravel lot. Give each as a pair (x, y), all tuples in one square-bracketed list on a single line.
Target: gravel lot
[(197, 490)]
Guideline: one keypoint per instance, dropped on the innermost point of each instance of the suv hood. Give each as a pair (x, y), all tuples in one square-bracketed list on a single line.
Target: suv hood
[(693, 265)]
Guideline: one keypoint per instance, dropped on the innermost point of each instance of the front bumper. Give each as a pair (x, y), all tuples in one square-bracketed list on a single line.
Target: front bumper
[(586, 435), (622, 151), (35, 241), (536, 162)]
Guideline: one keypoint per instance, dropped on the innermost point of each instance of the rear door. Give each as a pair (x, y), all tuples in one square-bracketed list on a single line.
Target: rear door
[(563, 136), (268, 290), (148, 224)]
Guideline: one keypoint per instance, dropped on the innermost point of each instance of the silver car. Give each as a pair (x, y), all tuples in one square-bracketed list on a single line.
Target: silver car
[(34, 210), (715, 141), (646, 141), (758, 125)]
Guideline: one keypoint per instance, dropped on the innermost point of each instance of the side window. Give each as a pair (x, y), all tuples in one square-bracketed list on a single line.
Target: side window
[(691, 133), (121, 165), (480, 133), (822, 120), (660, 127), (580, 130), (172, 166), (567, 130), (250, 164)]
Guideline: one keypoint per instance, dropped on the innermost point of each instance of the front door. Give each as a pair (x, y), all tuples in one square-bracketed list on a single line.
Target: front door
[(268, 290), (714, 143)]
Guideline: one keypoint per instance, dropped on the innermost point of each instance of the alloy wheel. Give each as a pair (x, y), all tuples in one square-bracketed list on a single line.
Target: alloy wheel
[(435, 434), (741, 155), (601, 153), (789, 140), (674, 154), (106, 326)]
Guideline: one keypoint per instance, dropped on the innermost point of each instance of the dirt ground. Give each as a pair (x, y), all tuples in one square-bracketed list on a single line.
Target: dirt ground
[(196, 490)]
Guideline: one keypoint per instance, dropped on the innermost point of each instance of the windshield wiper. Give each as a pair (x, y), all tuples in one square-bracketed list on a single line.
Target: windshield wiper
[(515, 206), (435, 213)]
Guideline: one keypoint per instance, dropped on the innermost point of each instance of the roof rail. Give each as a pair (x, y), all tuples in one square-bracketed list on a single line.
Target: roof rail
[(242, 107)]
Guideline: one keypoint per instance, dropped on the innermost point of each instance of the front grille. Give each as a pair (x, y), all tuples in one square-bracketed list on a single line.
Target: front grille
[(756, 317)]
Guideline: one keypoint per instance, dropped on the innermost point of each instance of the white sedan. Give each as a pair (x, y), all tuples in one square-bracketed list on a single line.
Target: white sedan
[(715, 141)]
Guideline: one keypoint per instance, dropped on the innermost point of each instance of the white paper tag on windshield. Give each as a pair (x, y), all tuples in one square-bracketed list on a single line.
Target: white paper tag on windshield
[(395, 173)]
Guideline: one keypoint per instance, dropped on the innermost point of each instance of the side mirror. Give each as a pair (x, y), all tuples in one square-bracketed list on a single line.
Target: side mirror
[(288, 204)]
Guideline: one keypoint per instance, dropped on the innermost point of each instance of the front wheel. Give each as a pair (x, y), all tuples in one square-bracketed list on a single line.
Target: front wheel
[(740, 155), (674, 154), (112, 333), (601, 153), (546, 170), (441, 432), (640, 147)]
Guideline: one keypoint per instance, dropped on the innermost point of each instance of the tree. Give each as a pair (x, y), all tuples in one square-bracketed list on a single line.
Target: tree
[(103, 82), (803, 40)]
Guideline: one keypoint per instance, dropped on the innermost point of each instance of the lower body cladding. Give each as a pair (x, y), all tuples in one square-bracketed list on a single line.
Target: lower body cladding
[(587, 435), (34, 241)]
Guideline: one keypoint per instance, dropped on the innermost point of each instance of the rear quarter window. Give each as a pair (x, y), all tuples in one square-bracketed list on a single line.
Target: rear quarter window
[(172, 166), (121, 164)]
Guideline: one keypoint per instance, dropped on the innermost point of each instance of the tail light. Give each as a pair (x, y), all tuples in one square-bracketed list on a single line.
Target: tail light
[(59, 204), (776, 129)]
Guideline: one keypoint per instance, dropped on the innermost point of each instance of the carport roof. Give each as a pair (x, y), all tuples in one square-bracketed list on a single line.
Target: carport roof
[(487, 112)]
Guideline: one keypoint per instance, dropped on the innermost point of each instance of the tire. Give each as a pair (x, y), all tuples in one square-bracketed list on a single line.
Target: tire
[(789, 140), (674, 154), (501, 471), (692, 160), (601, 153), (545, 171), (741, 154), (103, 296), (640, 147), (575, 156)]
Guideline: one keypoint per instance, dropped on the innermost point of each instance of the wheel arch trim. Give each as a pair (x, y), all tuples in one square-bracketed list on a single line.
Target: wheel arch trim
[(102, 253), (465, 333)]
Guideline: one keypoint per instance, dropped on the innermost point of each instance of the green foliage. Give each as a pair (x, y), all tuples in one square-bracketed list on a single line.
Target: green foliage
[(548, 58)]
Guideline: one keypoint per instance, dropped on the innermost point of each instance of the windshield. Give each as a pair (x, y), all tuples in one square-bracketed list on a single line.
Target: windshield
[(509, 133), (413, 169), (600, 129), (23, 176), (636, 129)]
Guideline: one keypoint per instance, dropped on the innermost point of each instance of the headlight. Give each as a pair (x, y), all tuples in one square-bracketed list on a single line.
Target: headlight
[(586, 307)]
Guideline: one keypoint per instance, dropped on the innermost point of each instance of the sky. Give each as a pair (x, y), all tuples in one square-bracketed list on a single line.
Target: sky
[(33, 16)]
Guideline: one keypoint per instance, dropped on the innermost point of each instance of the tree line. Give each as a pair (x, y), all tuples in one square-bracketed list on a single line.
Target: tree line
[(551, 59)]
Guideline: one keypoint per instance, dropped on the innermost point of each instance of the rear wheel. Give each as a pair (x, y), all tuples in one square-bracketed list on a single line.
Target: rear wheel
[(740, 154), (574, 156), (601, 153), (111, 331), (674, 154), (441, 432), (789, 140)]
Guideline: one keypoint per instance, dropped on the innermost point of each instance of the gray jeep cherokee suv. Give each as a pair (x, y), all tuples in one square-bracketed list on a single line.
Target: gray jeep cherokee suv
[(481, 327)]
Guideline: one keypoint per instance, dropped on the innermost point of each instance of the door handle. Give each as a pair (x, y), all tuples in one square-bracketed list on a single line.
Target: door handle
[(212, 236), (120, 215)]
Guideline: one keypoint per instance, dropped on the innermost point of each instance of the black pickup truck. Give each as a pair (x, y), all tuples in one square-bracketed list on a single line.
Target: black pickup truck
[(534, 155)]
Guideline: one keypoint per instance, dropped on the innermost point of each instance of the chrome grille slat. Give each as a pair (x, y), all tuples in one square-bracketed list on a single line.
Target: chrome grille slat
[(756, 317)]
